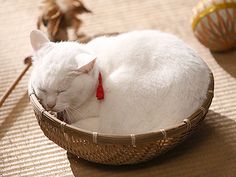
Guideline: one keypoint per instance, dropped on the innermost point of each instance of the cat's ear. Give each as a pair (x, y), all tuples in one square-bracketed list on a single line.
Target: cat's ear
[(38, 39), (85, 62)]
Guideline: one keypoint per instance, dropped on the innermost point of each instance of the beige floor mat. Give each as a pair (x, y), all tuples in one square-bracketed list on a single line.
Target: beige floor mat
[(25, 151)]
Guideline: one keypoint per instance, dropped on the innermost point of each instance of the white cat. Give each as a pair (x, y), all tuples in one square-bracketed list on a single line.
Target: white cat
[(151, 80)]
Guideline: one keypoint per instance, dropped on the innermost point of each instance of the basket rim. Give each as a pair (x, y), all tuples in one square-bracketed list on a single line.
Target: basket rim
[(130, 139)]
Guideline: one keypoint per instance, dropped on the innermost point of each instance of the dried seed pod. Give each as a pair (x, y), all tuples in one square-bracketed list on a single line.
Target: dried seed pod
[(59, 15)]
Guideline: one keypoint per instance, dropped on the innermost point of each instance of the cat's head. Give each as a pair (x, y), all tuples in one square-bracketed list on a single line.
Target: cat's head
[(64, 74)]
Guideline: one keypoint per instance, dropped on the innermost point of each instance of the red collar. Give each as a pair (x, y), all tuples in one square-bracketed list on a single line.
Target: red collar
[(100, 91)]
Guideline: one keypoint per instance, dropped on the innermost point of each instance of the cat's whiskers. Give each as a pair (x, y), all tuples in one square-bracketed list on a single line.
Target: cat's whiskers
[(77, 111), (70, 115), (73, 114), (61, 106)]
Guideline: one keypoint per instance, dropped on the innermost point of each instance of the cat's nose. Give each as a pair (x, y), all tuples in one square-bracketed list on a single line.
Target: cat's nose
[(51, 105)]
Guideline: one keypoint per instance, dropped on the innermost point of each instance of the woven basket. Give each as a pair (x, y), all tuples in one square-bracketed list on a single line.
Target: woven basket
[(113, 149)]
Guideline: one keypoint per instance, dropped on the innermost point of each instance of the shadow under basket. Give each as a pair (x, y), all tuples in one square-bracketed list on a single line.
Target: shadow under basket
[(116, 149)]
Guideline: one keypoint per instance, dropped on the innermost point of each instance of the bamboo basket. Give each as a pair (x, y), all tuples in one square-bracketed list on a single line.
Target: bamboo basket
[(113, 149)]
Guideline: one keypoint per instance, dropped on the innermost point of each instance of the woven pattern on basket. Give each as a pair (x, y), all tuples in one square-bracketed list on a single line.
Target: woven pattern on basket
[(112, 149), (213, 24)]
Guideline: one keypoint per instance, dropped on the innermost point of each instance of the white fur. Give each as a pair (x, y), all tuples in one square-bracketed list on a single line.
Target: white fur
[(152, 80)]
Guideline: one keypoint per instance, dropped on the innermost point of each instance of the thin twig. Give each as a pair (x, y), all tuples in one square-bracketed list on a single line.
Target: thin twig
[(28, 63)]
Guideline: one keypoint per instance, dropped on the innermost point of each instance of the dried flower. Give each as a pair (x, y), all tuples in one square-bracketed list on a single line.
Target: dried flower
[(59, 15)]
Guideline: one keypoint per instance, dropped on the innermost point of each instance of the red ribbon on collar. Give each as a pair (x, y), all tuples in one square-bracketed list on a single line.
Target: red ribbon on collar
[(100, 91)]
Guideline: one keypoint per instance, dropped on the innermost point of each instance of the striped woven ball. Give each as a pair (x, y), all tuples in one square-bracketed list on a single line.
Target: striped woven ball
[(214, 24)]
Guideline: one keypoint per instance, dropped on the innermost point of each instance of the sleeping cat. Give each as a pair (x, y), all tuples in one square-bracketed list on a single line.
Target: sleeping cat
[(151, 80)]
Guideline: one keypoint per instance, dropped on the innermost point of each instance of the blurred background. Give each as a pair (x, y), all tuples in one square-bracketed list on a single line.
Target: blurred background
[(25, 151)]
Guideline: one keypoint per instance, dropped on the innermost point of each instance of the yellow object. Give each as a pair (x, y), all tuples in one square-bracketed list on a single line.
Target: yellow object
[(214, 24)]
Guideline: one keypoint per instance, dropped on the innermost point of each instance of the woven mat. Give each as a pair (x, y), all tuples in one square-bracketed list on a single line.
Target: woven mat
[(25, 151)]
